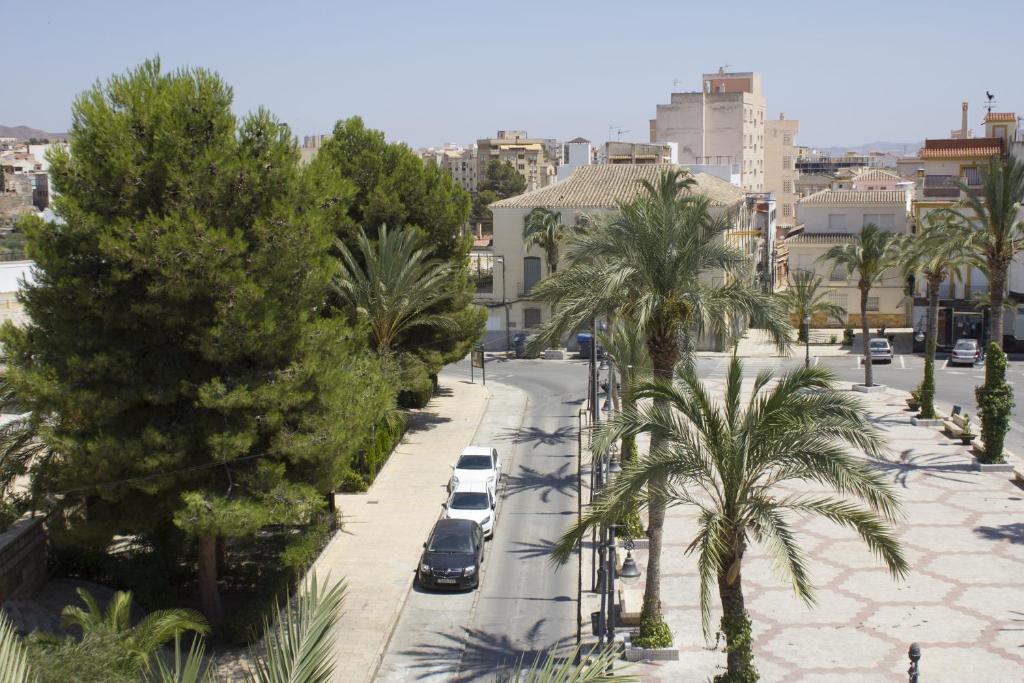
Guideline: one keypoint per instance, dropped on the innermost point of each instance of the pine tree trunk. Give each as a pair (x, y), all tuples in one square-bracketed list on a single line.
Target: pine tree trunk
[(664, 350), (997, 289), (931, 341), (868, 374), (735, 624), (209, 594)]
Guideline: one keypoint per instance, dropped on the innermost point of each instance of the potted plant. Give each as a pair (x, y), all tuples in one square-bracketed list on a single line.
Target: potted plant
[(915, 399), (848, 336), (967, 436)]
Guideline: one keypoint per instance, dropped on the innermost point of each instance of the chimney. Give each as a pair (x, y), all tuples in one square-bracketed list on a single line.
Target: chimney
[(963, 120)]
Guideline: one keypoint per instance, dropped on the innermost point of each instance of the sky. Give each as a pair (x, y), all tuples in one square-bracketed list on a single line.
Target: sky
[(427, 73)]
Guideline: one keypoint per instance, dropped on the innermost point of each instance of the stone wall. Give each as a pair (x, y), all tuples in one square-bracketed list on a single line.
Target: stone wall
[(23, 557), (880, 320)]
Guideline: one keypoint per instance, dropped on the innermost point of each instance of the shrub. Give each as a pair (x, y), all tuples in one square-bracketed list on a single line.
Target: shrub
[(848, 336), (995, 402), (98, 658), (832, 339), (352, 482), (415, 384), (654, 633)]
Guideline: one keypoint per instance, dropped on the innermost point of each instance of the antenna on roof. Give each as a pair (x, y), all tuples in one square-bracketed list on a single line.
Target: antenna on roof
[(722, 68), (618, 130)]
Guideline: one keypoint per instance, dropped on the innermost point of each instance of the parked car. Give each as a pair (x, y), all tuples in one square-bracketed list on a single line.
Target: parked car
[(453, 555), (521, 345), (473, 501), (477, 464), (880, 349), (965, 352)]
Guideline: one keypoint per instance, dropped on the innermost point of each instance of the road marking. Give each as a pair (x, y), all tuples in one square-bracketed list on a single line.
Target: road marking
[(945, 364), (817, 359), (903, 363)]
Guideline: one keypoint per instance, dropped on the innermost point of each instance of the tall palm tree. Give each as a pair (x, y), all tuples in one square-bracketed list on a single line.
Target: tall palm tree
[(936, 252), (995, 209), (394, 284), (806, 297), (625, 345), (736, 465), (870, 255), (651, 264), (544, 228)]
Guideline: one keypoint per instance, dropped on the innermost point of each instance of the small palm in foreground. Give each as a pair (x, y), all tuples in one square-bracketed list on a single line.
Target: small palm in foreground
[(552, 668), (806, 296), (394, 284), (736, 464), (544, 228)]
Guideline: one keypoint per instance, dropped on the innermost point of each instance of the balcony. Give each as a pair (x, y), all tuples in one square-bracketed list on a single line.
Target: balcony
[(941, 186)]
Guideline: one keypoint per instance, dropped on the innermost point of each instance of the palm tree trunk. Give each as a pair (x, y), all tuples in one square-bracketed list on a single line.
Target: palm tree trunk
[(931, 341), (997, 295), (735, 624), (664, 351), (868, 375), (209, 594)]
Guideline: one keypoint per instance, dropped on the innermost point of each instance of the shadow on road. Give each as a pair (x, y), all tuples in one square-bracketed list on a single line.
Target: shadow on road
[(424, 421), (941, 466), (539, 437), (561, 481), (529, 551), (1014, 533)]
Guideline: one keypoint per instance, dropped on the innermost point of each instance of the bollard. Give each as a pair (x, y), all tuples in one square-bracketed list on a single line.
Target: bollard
[(915, 656)]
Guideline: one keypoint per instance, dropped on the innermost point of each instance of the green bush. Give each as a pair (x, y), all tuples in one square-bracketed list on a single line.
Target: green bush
[(98, 658), (995, 403), (300, 553), (654, 633), (352, 482)]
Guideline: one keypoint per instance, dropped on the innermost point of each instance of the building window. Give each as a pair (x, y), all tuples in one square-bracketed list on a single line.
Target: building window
[(531, 273), (838, 274), (885, 221), (531, 318), (787, 139), (837, 298), (787, 163), (787, 185), (787, 209), (837, 221), (873, 303)]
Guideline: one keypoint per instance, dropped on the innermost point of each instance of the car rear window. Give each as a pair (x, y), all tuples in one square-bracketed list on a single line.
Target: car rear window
[(879, 344), (474, 462), (468, 501), (965, 346), (450, 542)]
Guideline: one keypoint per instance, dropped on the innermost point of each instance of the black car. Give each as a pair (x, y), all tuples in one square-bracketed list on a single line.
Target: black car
[(453, 555)]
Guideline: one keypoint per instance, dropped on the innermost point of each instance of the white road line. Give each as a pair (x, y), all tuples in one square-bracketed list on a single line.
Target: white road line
[(903, 363), (945, 364), (816, 360)]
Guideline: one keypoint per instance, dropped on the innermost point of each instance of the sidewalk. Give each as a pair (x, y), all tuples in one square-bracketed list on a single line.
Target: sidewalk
[(964, 540), (757, 344), (383, 530)]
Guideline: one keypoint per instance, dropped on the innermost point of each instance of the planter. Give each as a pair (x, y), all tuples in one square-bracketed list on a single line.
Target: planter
[(966, 439), (873, 389), (922, 422), (656, 654), (992, 466), (912, 404), (556, 354)]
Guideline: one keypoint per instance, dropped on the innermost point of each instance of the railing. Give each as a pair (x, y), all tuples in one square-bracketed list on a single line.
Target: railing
[(944, 186)]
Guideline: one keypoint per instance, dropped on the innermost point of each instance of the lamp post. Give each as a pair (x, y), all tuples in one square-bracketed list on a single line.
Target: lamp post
[(807, 341), (504, 302)]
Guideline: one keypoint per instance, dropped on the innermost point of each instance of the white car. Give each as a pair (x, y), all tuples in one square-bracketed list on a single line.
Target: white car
[(965, 352), (880, 349), (473, 501), (477, 465)]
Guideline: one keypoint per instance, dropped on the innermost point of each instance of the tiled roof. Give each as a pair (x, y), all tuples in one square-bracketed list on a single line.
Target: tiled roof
[(877, 174), (1000, 116), (822, 238), (577, 140), (952, 148), (603, 186), (855, 197)]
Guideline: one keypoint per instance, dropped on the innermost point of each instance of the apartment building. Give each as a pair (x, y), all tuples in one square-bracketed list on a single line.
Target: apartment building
[(573, 154), (780, 172), (723, 124), (532, 157), (619, 152), (833, 217)]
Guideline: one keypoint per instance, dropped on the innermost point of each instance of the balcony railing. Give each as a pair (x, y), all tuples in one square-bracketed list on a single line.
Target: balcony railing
[(941, 186)]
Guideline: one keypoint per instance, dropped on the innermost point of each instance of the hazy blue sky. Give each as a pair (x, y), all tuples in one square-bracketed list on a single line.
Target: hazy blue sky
[(431, 72)]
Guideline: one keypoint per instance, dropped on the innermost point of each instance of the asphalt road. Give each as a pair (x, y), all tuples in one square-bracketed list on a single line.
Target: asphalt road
[(524, 606)]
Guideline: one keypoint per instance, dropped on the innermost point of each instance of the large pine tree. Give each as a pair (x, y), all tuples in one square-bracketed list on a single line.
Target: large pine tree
[(178, 363)]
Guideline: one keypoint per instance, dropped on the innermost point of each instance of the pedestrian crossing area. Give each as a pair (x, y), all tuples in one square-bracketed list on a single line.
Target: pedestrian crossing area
[(718, 367)]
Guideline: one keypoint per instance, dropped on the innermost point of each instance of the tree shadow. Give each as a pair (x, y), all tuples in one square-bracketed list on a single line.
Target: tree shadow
[(531, 551), (934, 465), (1014, 533), (424, 421), (444, 391), (479, 655), (561, 481), (539, 437)]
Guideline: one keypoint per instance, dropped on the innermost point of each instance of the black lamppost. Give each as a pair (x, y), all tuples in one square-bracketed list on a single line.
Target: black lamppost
[(504, 301), (807, 341)]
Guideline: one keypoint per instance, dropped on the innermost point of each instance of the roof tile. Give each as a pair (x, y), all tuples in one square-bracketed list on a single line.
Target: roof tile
[(855, 197)]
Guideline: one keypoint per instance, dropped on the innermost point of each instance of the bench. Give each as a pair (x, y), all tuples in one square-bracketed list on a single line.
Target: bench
[(955, 424)]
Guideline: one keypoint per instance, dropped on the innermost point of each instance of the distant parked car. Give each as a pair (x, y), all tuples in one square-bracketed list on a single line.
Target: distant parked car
[(965, 352), (453, 555), (477, 464), (880, 349), (475, 502)]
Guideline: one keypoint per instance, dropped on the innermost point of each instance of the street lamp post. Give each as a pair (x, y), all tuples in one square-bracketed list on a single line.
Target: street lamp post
[(807, 341), (504, 302)]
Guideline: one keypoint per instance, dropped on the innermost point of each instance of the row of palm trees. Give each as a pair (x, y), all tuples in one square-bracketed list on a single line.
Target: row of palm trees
[(647, 268)]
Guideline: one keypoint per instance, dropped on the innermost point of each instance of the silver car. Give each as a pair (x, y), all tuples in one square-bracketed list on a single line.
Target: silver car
[(880, 349), (965, 352)]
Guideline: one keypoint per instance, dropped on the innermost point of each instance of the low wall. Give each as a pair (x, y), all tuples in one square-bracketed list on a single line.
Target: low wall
[(23, 557)]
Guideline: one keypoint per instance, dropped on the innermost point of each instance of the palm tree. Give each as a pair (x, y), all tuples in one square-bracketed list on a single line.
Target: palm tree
[(139, 641), (936, 253), (736, 465), (553, 667), (14, 667), (544, 228), (650, 263), (395, 285), (870, 255), (805, 297), (995, 208), (625, 345)]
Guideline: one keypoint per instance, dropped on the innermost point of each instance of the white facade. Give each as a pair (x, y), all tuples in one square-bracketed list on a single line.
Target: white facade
[(575, 153)]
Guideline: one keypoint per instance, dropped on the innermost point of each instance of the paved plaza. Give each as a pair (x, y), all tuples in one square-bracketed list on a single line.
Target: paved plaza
[(963, 600)]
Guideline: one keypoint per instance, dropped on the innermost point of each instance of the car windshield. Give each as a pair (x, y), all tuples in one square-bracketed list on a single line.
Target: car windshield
[(474, 462), (879, 344), (450, 542), (965, 346), (468, 501)]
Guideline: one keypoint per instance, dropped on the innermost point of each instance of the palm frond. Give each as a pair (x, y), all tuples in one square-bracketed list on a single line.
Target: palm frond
[(552, 667), (14, 667), (192, 668)]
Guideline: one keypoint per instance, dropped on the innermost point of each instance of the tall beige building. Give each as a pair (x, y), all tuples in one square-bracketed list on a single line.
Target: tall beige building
[(780, 173), (528, 155), (722, 124)]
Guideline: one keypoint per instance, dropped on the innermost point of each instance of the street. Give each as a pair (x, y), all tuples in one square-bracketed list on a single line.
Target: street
[(524, 606)]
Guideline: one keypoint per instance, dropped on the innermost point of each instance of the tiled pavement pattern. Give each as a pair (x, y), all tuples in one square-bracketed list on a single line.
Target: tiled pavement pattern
[(963, 600)]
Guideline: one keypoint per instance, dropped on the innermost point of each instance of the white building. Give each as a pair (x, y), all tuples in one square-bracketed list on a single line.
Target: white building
[(575, 153)]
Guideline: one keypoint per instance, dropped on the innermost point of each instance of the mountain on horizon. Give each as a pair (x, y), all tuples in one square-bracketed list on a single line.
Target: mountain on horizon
[(25, 132), (901, 148)]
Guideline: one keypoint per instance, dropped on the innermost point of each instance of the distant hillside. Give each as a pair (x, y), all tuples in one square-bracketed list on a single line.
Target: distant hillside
[(900, 148), (24, 133)]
